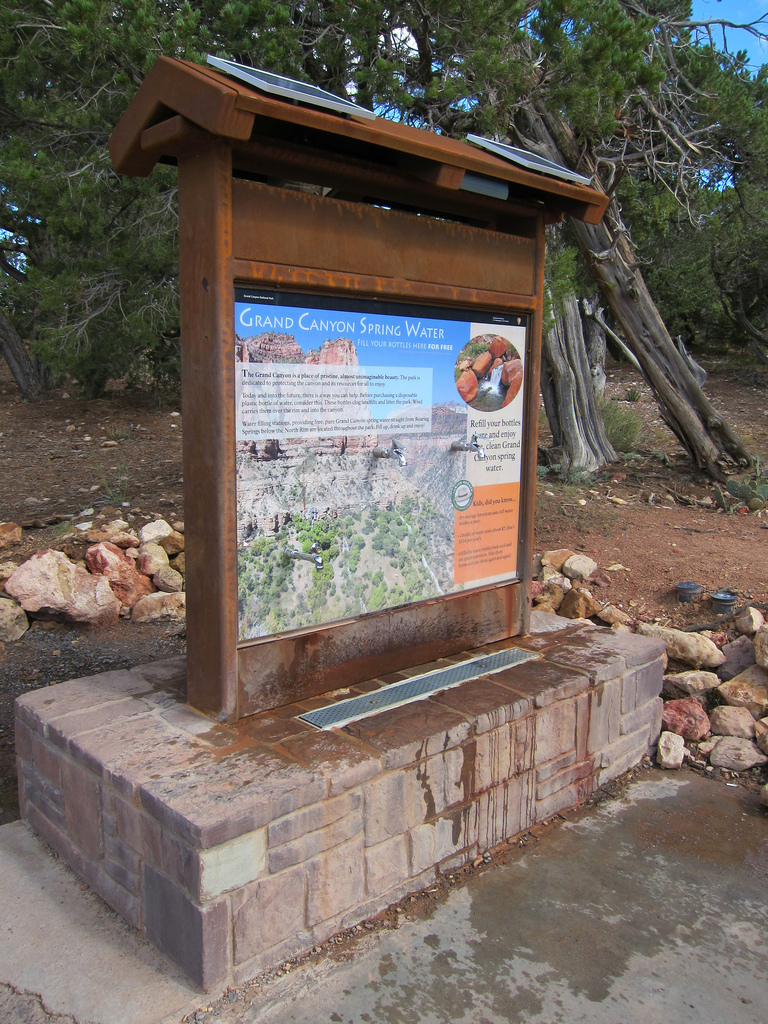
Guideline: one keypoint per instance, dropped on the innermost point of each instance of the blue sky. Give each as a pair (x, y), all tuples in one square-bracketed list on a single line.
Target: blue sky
[(741, 11)]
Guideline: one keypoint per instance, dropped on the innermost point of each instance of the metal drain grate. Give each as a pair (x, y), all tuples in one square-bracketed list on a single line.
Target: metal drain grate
[(416, 688)]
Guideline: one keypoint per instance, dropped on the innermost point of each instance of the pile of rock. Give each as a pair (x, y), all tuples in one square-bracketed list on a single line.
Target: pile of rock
[(718, 720), (563, 584), (137, 575), (716, 710)]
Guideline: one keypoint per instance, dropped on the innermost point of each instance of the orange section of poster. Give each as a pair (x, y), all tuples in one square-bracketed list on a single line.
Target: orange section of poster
[(486, 534)]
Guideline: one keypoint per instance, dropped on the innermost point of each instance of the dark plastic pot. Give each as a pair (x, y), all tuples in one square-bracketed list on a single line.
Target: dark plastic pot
[(723, 601), (687, 591)]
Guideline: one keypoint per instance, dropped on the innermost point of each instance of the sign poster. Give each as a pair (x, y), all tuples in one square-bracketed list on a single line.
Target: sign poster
[(378, 455)]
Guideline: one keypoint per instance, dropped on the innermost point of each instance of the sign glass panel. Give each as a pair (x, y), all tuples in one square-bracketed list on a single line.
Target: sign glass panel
[(378, 455)]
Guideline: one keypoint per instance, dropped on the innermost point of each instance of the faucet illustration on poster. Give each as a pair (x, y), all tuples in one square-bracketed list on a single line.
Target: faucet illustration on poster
[(378, 455)]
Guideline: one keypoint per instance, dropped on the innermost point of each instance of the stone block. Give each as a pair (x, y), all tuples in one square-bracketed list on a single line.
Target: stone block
[(542, 682), (231, 865), (446, 779), (335, 881), (126, 904), (555, 731), (179, 861), (386, 865), (483, 701), (628, 750), (443, 837), (405, 734), (127, 816), (267, 913), (46, 797), (394, 803), (24, 741), (569, 796), (342, 762), (648, 714), (523, 744), (312, 843), (564, 778), (604, 715), (151, 841), (309, 819), (493, 759), (46, 760), (196, 938), (118, 852), (642, 685), (546, 771), (82, 807), (226, 796), (505, 810)]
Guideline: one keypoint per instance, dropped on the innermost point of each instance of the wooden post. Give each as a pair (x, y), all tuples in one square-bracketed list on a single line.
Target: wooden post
[(207, 333)]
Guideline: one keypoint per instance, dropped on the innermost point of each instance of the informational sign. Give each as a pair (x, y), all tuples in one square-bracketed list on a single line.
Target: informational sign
[(378, 455)]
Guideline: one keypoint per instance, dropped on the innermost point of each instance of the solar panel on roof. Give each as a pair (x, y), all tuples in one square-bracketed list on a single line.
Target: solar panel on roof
[(289, 88), (530, 161)]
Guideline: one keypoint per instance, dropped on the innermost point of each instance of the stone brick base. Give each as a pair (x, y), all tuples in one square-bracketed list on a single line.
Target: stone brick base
[(234, 848)]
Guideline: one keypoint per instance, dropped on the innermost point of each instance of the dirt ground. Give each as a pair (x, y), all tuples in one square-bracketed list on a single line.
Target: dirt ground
[(122, 456)]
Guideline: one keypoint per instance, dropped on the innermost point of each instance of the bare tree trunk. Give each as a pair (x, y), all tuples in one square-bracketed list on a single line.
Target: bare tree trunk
[(701, 430), (569, 394), (594, 340), (21, 365)]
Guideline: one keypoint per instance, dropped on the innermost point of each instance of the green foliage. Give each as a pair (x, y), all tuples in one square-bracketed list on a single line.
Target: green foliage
[(88, 261), (632, 395), (750, 492), (622, 426)]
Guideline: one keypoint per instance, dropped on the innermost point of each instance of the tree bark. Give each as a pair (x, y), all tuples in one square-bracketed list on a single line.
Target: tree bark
[(569, 394), (22, 367), (701, 430)]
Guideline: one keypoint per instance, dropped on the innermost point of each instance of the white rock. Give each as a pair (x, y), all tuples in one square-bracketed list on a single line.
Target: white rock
[(151, 558), (706, 747), (692, 683), (579, 567), (13, 621), (730, 721), (760, 641), (671, 750), (160, 606), (691, 648), (613, 616), (749, 689), (50, 584), (736, 755), (153, 533), (749, 621), (168, 580)]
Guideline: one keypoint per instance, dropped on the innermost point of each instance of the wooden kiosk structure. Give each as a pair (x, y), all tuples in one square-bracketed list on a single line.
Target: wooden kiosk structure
[(361, 317), (398, 215)]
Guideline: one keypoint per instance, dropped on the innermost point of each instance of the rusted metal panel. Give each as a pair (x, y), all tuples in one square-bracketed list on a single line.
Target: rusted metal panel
[(295, 278), (375, 180), (207, 339), (281, 226), (283, 670)]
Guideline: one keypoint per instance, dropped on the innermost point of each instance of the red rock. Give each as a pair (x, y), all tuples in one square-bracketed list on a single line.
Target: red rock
[(498, 347), (128, 585), (687, 718), (466, 385), (269, 348), (340, 352), (50, 585), (512, 375), (482, 364), (496, 362)]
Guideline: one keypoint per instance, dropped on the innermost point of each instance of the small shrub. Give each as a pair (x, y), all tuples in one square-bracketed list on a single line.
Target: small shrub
[(633, 395), (621, 425)]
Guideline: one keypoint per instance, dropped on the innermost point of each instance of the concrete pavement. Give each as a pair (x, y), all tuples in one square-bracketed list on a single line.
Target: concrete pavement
[(652, 904)]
